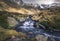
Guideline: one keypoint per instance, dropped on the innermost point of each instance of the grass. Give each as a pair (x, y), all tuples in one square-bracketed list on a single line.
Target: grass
[(6, 33), (46, 17), (3, 20)]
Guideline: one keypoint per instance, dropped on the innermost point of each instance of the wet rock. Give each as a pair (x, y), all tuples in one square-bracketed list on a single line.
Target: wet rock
[(12, 22), (51, 39), (44, 38), (41, 38), (13, 38)]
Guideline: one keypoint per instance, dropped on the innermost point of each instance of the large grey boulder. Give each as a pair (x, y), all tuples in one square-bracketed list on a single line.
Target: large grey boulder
[(44, 38)]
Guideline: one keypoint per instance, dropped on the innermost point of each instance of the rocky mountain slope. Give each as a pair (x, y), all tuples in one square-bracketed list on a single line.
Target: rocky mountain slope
[(19, 9)]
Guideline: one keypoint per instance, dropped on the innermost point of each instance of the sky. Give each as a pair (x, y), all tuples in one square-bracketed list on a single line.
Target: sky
[(41, 1)]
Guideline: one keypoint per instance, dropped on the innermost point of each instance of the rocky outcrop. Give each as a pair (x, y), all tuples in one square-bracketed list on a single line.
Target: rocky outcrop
[(13, 38), (43, 38), (12, 22), (13, 3)]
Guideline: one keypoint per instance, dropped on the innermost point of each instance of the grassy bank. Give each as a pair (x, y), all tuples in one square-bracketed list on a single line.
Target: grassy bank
[(6, 34)]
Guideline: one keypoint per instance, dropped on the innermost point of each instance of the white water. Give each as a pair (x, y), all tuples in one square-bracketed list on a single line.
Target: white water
[(50, 35), (28, 26)]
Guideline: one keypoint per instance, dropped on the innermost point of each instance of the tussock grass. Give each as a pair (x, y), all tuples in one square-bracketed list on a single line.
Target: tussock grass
[(6, 33)]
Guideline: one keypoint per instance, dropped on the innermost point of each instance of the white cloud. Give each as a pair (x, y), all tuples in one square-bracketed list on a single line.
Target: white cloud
[(39, 1)]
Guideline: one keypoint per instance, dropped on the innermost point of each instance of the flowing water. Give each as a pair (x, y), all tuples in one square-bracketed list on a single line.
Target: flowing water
[(29, 28)]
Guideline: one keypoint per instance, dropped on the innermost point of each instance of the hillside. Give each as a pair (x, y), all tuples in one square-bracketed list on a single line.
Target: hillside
[(19, 9), (11, 14), (52, 15)]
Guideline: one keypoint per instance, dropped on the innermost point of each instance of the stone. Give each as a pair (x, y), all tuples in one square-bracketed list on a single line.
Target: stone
[(12, 22), (41, 38)]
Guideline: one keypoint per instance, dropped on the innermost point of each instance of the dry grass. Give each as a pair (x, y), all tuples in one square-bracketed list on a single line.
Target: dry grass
[(5, 7), (6, 33)]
